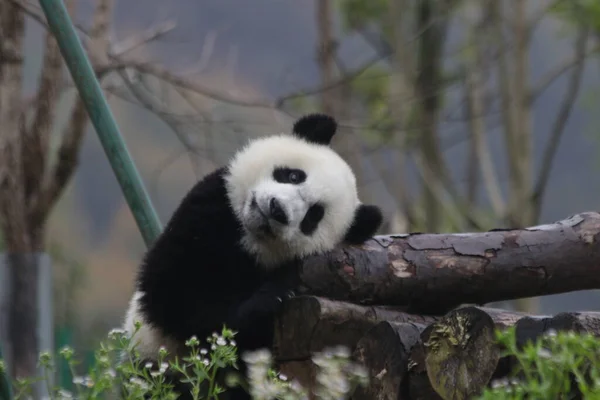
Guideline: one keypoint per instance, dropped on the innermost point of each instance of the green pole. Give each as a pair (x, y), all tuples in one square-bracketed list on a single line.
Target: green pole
[(97, 107)]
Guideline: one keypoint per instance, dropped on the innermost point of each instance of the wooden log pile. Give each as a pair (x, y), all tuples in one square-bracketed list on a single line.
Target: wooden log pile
[(411, 307)]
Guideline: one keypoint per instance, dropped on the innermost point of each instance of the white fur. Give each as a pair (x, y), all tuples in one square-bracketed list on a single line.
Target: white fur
[(330, 181), (148, 339)]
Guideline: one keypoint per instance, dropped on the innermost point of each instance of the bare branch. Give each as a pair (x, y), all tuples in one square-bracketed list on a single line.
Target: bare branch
[(149, 35), (545, 81), (11, 115), (334, 84), (539, 15), (182, 82), (562, 117), (205, 54), (67, 157), (68, 153), (36, 137), (474, 94)]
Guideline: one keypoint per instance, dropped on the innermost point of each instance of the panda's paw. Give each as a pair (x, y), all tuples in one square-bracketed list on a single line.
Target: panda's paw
[(287, 295), (268, 300)]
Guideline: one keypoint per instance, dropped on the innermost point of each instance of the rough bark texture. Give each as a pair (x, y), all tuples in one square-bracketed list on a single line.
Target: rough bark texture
[(410, 356), (308, 324), (384, 352), (433, 273)]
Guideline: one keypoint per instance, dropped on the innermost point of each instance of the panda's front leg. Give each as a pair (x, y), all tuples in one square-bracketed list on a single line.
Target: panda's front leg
[(262, 305)]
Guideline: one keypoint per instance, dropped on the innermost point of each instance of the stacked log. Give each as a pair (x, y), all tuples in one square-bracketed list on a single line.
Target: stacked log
[(398, 303)]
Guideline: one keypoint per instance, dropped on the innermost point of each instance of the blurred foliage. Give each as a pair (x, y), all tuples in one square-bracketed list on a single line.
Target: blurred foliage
[(579, 12), (358, 13), (558, 365)]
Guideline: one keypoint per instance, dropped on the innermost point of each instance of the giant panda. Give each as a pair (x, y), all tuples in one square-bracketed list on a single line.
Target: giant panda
[(229, 253)]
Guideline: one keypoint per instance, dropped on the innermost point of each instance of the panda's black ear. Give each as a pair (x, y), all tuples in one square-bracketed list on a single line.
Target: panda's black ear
[(315, 128), (367, 219)]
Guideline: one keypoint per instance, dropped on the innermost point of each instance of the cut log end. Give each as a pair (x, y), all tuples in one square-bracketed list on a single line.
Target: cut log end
[(461, 353)]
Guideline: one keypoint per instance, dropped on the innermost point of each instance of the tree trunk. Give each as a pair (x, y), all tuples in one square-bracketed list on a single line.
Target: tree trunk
[(428, 85), (23, 313)]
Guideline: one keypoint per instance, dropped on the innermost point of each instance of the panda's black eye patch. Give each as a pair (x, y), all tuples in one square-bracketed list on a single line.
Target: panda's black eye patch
[(289, 175), (311, 220)]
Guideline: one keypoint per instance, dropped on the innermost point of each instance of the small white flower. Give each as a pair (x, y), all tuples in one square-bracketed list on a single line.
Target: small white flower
[(283, 377), (257, 357), (116, 333), (203, 351), (148, 365), (88, 382), (65, 394), (78, 380), (163, 367), (221, 341), (138, 382), (543, 353), (551, 333), (205, 361), (232, 342)]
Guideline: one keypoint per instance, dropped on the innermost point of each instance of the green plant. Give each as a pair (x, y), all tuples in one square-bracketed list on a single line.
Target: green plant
[(117, 372), (556, 366)]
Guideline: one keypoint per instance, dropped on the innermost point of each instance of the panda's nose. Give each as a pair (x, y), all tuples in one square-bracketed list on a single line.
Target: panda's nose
[(276, 211)]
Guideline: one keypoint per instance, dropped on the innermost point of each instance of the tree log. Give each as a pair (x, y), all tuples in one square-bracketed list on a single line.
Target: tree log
[(461, 354), (309, 324), (458, 357), (384, 352), (433, 273)]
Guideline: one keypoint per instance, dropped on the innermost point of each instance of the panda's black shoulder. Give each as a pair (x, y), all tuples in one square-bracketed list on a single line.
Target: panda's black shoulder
[(197, 265), (201, 238)]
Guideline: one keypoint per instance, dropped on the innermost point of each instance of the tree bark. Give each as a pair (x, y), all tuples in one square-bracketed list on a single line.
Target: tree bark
[(309, 324), (384, 352), (433, 273)]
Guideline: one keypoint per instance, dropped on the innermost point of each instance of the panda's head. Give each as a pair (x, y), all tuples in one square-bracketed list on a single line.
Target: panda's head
[(294, 196)]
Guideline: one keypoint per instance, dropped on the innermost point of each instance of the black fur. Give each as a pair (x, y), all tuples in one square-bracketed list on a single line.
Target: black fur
[(367, 219), (197, 277), (316, 128), (289, 175), (311, 220)]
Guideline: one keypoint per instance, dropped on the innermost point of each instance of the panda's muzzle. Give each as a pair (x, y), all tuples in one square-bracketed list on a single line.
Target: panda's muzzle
[(276, 212)]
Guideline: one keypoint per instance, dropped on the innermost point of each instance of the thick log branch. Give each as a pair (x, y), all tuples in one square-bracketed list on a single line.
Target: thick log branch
[(434, 273)]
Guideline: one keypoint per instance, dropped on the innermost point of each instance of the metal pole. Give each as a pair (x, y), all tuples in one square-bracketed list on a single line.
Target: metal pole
[(97, 107)]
